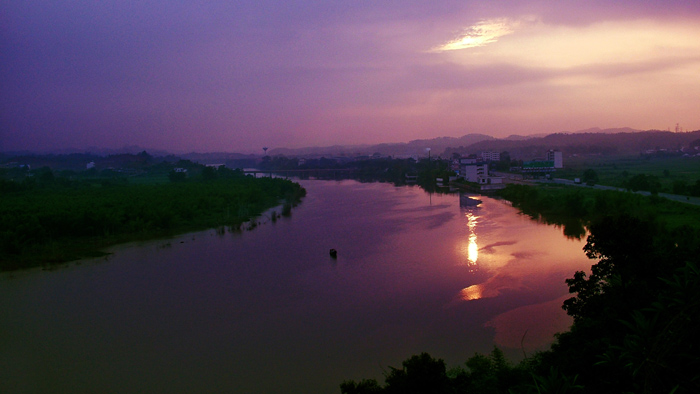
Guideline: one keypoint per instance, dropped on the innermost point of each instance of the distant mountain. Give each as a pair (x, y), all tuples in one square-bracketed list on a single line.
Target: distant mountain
[(126, 149), (598, 130), (93, 150), (404, 149), (619, 140), (603, 142), (217, 157), (514, 137), (589, 141)]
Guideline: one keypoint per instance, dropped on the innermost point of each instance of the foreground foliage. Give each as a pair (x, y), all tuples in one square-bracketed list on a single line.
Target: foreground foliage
[(56, 223)]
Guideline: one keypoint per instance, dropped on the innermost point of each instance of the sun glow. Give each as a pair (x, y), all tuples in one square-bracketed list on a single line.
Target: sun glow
[(595, 48), (482, 33)]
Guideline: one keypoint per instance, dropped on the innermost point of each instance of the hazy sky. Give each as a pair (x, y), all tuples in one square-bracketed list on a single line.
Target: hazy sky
[(237, 75)]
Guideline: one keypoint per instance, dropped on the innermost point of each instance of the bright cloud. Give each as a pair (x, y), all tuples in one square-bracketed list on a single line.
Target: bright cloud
[(564, 47), (482, 33)]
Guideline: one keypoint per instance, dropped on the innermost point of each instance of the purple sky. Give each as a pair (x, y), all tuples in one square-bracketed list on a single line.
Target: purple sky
[(238, 75)]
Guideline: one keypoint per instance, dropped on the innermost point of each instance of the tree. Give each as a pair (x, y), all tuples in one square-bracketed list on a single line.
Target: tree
[(590, 177), (695, 189), (208, 173), (45, 174), (660, 347), (624, 247), (624, 313), (177, 176), (420, 374), (644, 182), (144, 157), (365, 386), (679, 187)]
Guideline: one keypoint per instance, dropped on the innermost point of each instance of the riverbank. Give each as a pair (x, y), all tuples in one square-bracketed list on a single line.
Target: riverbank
[(49, 226), (556, 203)]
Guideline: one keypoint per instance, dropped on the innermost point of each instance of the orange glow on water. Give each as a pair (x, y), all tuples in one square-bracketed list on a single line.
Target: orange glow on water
[(473, 248), (470, 248), (471, 293)]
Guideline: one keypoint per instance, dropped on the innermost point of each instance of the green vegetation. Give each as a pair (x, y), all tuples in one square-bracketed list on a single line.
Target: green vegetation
[(424, 172), (578, 207), (635, 315), (483, 374), (654, 173), (48, 219)]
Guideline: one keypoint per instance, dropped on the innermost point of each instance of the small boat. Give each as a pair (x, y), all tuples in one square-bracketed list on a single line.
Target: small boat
[(334, 253)]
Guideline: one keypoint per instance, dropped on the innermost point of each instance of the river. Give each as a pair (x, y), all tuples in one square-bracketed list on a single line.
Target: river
[(269, 311)]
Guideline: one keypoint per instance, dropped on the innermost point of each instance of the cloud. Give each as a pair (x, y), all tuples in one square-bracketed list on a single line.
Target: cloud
[(480, 34), (220, 74), (538, 44)]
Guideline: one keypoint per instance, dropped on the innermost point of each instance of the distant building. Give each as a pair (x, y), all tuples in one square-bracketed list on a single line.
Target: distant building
[(556, 157), (491, 156), (491, 182), (468, 160), (536, 167), (472, 170), (454, 165), (90, 165)]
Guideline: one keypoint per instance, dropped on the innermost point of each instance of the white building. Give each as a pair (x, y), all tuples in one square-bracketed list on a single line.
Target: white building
[(491, 156), (556, 157), (472, 171)]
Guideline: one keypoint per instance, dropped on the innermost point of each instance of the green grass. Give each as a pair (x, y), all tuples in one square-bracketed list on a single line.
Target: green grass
[(616, 170), (560, 204)]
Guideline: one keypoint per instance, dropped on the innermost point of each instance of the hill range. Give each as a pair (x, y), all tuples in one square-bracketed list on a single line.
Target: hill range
[(620, 141)]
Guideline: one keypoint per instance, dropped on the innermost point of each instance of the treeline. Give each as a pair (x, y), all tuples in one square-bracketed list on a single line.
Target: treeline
[(50, 221), (383, 169), (652, 184), (635, 318)]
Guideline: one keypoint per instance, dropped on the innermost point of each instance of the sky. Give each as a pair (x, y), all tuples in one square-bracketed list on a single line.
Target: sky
[(237, 76)]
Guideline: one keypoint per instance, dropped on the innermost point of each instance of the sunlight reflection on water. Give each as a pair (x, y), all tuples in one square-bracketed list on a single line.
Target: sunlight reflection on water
[(473, 248)]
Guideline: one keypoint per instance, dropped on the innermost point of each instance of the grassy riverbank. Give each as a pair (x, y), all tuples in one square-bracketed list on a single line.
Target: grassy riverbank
[(659, 173), (58, 223), (563, 204)]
